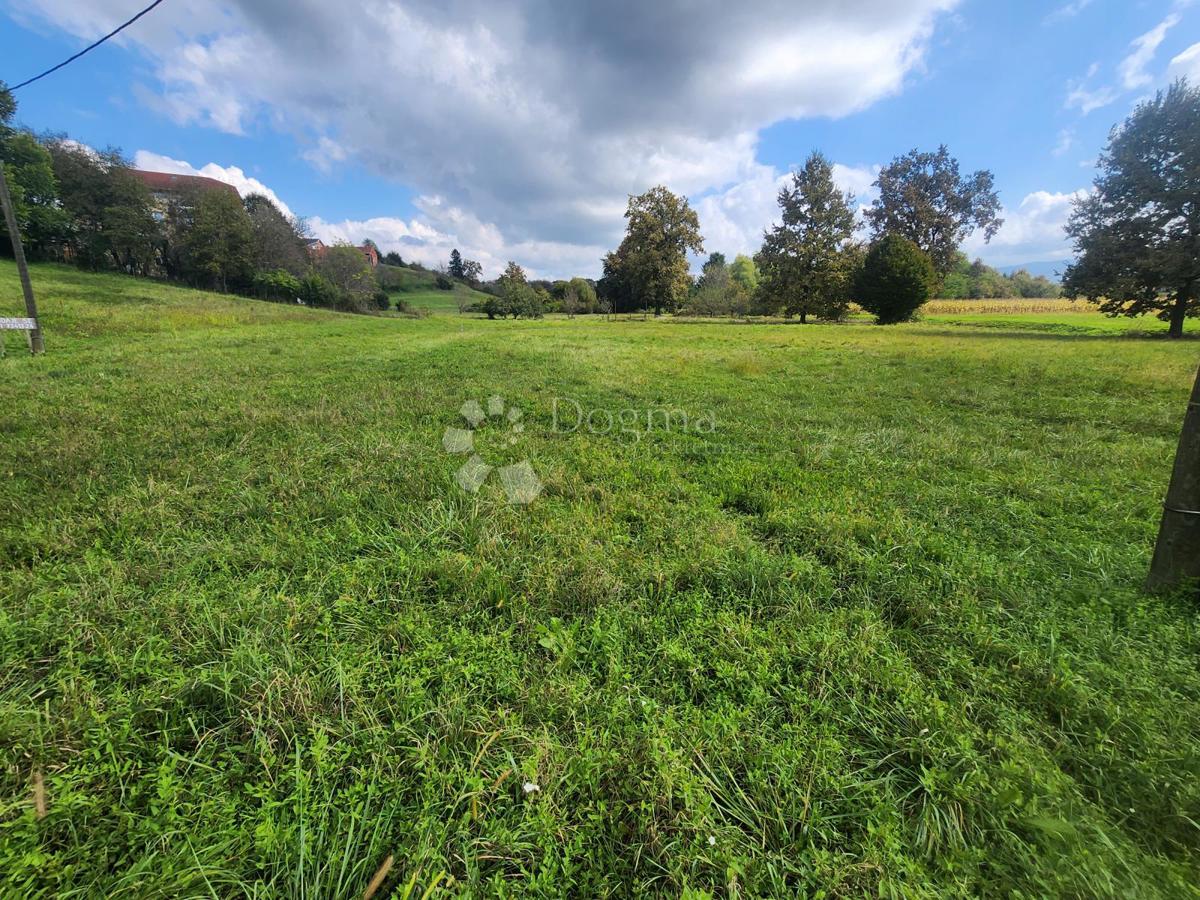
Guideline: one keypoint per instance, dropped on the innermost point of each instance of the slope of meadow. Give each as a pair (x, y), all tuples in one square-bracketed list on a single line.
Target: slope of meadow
[(419, 291), (869, 622)]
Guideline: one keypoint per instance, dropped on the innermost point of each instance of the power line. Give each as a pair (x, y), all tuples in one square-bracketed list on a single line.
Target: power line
[(72, 59)]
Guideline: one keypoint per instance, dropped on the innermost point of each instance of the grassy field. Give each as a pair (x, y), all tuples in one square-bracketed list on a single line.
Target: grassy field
[(870, 624), (419, 291)]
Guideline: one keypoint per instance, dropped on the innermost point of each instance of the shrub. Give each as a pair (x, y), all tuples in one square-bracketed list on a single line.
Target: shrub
[(316, 290), (382, 300), (277, 285), (895, 280), (444, 282)]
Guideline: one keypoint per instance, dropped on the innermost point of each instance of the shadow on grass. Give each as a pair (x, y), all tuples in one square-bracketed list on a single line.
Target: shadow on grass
[(1034, 334), (1019, 330)]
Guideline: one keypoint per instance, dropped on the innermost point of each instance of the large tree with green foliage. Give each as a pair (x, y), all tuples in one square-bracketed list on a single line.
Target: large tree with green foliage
[(575, 296), (651, 263), (278, 239), (806, 263), (1137, 234), (923, 197), (31, 184), (472, 271), (34, 192), (112, 213), (216, 240), (714, 289)]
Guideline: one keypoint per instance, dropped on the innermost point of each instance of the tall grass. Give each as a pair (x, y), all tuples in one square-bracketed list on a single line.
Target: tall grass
[(879, 632)]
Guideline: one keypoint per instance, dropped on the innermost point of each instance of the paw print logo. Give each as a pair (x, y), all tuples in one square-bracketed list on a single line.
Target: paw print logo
[(521, 484)]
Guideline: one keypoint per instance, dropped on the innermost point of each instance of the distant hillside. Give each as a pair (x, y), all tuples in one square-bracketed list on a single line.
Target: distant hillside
[(1051, 270), (418, 288)]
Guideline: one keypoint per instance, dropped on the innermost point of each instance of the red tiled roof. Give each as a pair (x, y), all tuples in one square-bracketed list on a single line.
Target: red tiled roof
[(168, 181)]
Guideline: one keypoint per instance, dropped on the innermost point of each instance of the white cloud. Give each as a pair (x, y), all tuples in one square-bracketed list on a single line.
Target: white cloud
[(1085, 99), (1067, 11), (538, 115), (1066, 140), (155, 162), (1132, 68), (734, 218), (325, 154), (1186, 65), (1033, 232)]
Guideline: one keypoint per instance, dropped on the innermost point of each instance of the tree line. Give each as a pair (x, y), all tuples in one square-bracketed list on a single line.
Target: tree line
[(75, 204), (811, 264), (1136, 237)]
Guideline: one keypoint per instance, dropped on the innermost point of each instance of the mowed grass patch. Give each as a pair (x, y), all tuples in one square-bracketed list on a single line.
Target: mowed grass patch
[(864, 617)]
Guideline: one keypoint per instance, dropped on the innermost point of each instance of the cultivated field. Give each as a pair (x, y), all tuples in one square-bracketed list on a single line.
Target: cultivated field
[(867, 622)]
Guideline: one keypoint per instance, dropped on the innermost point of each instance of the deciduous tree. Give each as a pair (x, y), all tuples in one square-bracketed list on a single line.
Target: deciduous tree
[(31, 184), (278, 240), (651, 263), (345, 267), (923, 197), (112, 213), (1137, 235), (217, 243), (471, 271), (744, 272)]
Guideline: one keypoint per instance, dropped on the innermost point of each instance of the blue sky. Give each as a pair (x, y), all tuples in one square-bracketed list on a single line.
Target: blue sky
[(516, 131)]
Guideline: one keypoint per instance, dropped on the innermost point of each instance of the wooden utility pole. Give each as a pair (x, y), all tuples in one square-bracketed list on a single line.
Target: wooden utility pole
[(32, 328), (1177, 554)]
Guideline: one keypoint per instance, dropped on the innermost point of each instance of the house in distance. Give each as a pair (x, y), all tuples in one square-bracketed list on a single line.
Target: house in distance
[(167, 188)]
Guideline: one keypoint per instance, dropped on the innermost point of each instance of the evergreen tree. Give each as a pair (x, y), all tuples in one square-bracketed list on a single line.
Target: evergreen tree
[(455, 269), (894, 280), (805, 263)]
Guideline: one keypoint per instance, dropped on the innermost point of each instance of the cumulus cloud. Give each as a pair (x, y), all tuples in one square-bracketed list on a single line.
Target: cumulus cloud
[(536, 114), (1033, 232), (733, 219)]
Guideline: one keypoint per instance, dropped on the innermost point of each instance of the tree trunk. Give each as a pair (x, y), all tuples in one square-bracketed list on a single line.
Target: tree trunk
[(1177, 553), (803, 317), (1177, 312)]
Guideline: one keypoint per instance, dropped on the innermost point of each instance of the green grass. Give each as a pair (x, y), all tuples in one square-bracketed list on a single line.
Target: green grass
[(879, 632), (418, 290)]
